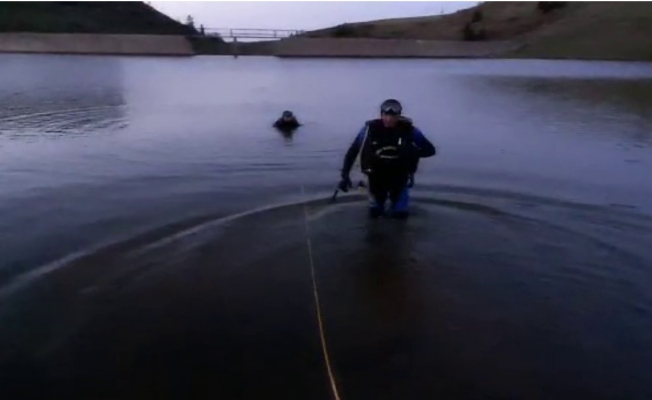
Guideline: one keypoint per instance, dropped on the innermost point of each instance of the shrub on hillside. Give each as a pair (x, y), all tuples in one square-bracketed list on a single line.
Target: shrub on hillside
[(472, 32), (344, 31), (474, 29), (547, 6)]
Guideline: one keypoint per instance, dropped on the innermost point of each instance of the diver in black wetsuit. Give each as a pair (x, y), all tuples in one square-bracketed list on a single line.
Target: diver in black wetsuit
[(287, 122), (390, 148)]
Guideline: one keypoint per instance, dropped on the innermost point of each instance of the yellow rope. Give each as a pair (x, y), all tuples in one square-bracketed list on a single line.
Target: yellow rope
[(320, 322)]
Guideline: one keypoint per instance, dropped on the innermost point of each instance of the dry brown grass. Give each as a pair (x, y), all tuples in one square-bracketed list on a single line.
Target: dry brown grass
[(589, 30), (609, 30), (502, 20)]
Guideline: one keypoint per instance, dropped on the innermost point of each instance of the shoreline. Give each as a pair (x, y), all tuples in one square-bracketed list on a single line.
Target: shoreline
[(391, 48), (292, 48), (175, 45)]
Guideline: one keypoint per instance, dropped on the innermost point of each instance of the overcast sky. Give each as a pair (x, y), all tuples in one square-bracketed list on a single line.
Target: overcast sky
[(299, 15)]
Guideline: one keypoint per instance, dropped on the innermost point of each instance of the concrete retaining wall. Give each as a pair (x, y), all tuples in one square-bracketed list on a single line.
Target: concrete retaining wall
[(169, 45), (163, 45), (390, 48)]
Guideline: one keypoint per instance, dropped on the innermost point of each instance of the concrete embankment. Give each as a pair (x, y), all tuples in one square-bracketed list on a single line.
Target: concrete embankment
[(348, 48), (173, 45), (79, 43), (391, 48)]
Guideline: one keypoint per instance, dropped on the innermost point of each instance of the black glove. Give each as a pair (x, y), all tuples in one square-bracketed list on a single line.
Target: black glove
[(345, 184), (410, 181)]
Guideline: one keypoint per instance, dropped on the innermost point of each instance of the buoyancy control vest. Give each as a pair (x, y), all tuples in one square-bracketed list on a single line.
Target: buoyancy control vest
[(388, 150)]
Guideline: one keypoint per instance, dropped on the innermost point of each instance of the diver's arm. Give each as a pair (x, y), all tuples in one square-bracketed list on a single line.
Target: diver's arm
[(352, 153), (425, 149)]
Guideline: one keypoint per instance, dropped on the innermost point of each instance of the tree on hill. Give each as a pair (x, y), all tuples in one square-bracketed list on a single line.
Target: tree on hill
[(190, 22)]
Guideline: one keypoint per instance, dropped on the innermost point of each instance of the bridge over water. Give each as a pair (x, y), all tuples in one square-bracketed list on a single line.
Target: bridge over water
[(251, 33)]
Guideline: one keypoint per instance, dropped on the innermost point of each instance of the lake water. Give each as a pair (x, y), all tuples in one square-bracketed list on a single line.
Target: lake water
[(153, 238)]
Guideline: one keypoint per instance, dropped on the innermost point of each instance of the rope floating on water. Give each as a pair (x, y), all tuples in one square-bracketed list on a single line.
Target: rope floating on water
[(320, 323)]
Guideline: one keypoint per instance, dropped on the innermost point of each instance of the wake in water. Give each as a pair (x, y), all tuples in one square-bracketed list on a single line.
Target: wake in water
[(494, 294), (75, 121)]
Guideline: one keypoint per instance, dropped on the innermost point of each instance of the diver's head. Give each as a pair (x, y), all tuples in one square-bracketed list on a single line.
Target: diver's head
[(287, 115), (390, 112)]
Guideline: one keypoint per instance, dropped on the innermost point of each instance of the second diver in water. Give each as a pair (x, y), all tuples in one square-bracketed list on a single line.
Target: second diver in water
[(287, 123), (390, 148)]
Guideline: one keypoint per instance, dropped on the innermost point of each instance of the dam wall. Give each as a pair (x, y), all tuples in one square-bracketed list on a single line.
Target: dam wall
[(390, 48), (81, 43), (176, 45)]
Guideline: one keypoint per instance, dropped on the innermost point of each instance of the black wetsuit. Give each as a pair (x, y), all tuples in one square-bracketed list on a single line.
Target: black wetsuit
[(388, 156), (287, 124)]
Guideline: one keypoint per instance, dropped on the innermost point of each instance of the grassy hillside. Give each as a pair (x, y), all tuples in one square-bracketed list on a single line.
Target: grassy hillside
[(609, 30), (587, 30), (87, 17), (502, 20)]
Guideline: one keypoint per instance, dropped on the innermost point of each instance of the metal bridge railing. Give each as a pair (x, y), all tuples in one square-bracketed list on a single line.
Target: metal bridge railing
[(247, 33)]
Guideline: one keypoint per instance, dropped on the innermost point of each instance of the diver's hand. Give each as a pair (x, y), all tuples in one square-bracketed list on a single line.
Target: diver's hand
[(345, 184), (410, 181)]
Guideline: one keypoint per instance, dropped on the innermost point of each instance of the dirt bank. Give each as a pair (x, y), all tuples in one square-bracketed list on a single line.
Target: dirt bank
[(80, 43)]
